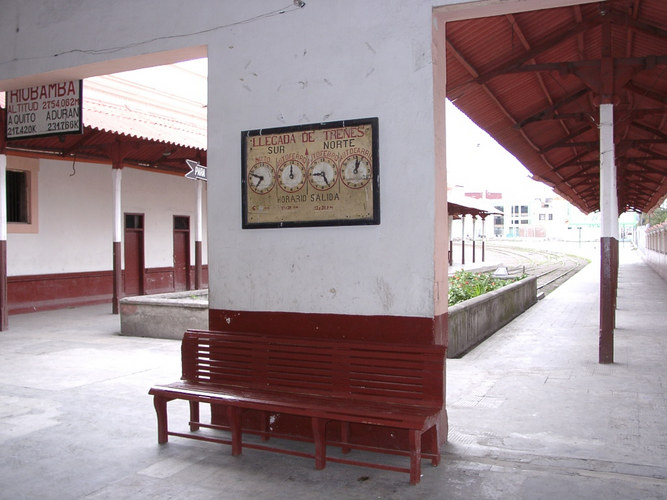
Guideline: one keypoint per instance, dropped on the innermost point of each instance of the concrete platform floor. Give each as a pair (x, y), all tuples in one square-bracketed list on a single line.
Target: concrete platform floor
[(532, 414)]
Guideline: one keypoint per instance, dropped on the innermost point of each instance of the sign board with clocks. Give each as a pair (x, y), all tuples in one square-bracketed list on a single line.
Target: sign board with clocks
[(323, 174)]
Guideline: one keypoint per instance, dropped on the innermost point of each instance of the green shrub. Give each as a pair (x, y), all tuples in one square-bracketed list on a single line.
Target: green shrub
[(464, 285)]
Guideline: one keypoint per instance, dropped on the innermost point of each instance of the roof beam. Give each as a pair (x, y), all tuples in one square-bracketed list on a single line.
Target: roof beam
[(650, 130), (540, 79), (518, 61), (654, 170), (584, 172), (578, 160), (550, 112), (581, 163), (620, 19), (650, 93), (652, 155), (574, 67), (565, 141)]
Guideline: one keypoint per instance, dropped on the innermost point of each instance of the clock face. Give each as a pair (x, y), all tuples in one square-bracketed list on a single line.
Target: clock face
[(291, 176), (356, 171), (261, 178), (323, 174)]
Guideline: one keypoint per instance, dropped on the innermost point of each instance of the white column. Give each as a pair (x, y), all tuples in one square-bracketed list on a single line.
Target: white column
[(199, 213), (3, 197), (4, 314), (608, 234), (608, 187), (116, 176), (463, 239)]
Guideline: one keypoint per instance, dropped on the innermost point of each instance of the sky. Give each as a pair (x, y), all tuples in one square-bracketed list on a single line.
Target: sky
[(476, 162)]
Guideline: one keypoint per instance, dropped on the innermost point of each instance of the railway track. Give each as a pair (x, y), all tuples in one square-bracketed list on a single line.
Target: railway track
[(550, 268)]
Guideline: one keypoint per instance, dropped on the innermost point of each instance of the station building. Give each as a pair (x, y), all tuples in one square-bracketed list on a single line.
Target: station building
[(546, 85), (60, 198)]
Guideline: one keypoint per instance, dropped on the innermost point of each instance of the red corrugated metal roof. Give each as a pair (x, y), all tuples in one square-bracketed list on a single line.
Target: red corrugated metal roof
[(115, 104), (533, 81)]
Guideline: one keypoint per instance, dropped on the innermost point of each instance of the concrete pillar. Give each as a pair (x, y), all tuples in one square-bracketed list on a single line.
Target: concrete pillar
[(116, 177), (450, 255), (463, 239), (609, 233), (483, 238), (4, 322), (474, 220), (199, 231)]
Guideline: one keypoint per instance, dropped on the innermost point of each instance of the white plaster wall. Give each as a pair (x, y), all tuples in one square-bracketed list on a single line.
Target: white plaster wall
[(75, 218), (74, 213), (330, 61), (159, 197)]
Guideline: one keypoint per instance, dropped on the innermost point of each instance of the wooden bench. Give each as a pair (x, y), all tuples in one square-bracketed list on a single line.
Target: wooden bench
[(395, 386)]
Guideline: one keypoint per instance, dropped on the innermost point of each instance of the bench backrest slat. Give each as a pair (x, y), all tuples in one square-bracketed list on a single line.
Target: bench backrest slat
[(369, 371)]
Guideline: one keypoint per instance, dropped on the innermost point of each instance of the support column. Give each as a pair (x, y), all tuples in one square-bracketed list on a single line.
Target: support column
[(4, 320), (116, 176), (463, 239), (483, 238), (450, 259), (609, 233), (474, 220), (199, 231)]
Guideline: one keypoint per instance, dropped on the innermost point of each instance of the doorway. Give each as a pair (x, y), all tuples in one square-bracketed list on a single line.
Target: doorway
[(181, 253), (134, 254)]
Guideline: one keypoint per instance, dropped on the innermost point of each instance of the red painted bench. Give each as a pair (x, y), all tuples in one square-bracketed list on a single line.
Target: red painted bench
[(395, 386)]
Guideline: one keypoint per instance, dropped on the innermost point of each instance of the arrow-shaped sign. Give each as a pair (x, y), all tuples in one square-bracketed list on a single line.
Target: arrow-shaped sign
[(197, 171)]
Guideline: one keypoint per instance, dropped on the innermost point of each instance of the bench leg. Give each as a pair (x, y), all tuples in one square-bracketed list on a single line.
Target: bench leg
[(265, 424), (234, 415), (320, 438), (194, 416), (345, 436), (435, 446), (415, 456), (161, 412)]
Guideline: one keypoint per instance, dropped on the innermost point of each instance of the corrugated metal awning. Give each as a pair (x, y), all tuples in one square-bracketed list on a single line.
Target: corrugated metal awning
[(534, 81)]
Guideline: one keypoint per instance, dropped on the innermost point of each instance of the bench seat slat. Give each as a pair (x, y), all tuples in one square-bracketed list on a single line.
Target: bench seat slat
[(401, 416)]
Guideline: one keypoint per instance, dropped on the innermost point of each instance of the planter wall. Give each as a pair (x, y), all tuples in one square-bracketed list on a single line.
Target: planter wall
[(166, 315), (473, 320)]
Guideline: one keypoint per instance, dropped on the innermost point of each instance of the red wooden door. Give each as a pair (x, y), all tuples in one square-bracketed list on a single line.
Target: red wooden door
[(181, 253), (134, 254)]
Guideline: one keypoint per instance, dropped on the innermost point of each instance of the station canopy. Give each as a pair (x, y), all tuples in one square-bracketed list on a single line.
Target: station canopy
[(535, 80), (459, 206)]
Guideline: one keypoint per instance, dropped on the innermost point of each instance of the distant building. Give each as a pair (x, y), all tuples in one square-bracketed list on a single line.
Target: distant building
[(528, 216)]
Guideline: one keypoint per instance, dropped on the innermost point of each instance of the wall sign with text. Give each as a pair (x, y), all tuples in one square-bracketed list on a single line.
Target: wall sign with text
[(323, 174), (50, 109)]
